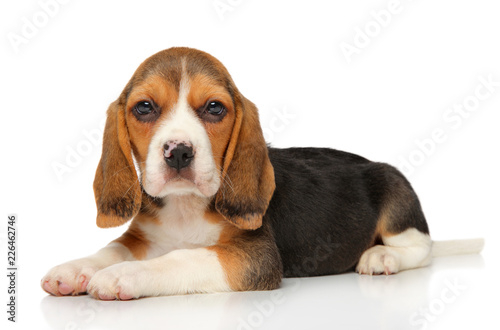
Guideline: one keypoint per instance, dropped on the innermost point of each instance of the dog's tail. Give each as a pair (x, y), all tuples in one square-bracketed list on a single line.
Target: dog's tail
[(456, 247)]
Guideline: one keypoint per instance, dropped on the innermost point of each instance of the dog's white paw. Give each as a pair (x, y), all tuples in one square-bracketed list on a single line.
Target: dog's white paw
[(70, 278), (121, 281), (378, 260)]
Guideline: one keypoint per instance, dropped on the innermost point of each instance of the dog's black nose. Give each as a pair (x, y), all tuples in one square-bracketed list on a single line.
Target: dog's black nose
[(179, 155)]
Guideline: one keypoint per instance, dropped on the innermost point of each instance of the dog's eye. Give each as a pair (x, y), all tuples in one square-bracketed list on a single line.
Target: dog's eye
[(144, 108), (146, 111), (212, 112), (215, 108)]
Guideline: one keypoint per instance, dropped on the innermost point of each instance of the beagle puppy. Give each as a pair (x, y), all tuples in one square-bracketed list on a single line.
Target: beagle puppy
[(215, 209)]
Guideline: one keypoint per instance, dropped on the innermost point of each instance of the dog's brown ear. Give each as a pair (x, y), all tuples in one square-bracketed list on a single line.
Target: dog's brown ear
[(248, 176), (116, 186)]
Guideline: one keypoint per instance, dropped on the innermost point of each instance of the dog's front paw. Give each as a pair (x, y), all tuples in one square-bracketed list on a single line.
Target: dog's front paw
[(120, 281), (70, 278)]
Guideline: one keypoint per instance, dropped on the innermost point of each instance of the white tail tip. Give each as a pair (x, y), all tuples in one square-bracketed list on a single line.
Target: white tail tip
[(456, 247)]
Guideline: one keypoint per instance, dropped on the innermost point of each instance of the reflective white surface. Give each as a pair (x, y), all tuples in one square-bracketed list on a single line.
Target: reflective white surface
[(447, 295)]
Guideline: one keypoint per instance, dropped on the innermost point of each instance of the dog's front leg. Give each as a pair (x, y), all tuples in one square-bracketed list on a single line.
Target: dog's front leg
[(178, 272), (218, 268)]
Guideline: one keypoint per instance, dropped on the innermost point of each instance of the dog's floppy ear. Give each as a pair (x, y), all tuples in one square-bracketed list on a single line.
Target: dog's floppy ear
[(248, 176), (116, 186)]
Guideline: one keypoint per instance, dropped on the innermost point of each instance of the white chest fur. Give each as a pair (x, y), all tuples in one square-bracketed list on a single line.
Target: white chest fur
[(182, 226)]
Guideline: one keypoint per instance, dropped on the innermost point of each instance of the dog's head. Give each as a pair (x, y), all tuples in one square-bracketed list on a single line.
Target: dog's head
[(191, 132)]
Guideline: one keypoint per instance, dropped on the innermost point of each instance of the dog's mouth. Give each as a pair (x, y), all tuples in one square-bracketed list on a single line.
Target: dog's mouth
[(175, 181), (180, 185), (182, 176), (185, 181), (179, 182)]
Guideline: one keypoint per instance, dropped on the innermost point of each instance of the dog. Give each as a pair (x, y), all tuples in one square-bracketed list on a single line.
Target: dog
[(215, 209)]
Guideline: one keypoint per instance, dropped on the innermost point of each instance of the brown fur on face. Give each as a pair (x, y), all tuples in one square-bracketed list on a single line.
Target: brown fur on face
[(203, 89), (164, 95), (238, 146)]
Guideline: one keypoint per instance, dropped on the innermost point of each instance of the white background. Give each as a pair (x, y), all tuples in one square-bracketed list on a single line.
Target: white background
[(286, 57)]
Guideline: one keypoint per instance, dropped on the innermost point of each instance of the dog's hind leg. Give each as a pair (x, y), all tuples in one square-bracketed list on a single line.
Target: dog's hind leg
[(402, 234)]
